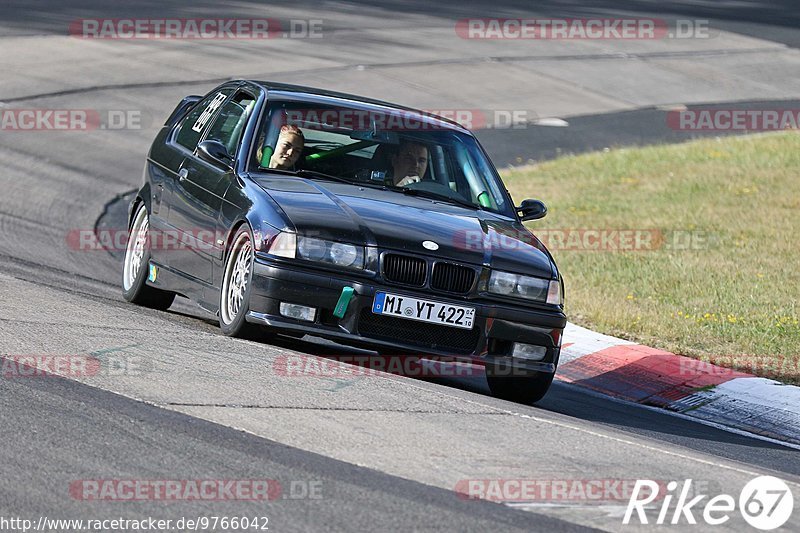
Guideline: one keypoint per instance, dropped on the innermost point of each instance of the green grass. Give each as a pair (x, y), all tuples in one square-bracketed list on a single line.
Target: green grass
[(735, 292)]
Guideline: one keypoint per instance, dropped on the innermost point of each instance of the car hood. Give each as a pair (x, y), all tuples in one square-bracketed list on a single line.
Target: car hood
[(391, 220)]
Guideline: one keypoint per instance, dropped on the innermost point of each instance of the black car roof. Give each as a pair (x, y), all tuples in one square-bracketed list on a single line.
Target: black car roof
[(312, 91)]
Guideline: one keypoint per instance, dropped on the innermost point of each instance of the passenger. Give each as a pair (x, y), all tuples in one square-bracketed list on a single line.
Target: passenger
[(409, 163), (288, 148)]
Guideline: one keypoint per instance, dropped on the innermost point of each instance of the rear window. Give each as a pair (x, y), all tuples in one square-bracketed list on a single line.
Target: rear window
[(191, 128)]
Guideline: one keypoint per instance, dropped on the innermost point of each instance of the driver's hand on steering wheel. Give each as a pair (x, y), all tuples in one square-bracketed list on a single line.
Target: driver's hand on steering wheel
[(408, 180)]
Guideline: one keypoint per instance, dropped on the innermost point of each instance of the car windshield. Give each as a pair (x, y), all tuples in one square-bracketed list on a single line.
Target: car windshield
[(402, 151)]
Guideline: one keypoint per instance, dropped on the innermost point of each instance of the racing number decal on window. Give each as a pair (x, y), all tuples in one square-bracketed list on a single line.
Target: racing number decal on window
[(202, 119)]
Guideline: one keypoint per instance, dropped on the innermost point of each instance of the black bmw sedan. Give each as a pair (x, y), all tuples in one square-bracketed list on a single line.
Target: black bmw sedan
[(312, 212)]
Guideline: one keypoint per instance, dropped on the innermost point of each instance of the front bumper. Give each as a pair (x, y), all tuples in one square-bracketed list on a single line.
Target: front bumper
[(496, 326)]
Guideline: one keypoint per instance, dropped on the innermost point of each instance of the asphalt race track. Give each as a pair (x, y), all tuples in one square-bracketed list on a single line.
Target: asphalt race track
[(371, 453)]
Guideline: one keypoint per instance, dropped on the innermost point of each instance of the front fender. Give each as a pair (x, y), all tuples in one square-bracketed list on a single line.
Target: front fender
[(142, 196)]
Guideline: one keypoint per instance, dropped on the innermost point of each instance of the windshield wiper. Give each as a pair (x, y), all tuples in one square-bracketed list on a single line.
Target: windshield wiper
[(436, 196), (315, 174)]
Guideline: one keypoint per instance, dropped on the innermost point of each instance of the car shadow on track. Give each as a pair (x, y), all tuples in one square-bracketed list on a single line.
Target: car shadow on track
[(563, 398), (567, 400)]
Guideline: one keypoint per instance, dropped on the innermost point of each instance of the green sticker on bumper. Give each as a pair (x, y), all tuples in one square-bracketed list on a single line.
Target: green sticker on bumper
[(344, 301)]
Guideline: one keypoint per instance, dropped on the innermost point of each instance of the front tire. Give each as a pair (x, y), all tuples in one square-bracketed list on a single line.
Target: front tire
[(136, 266), (234, 298), (506, 382)]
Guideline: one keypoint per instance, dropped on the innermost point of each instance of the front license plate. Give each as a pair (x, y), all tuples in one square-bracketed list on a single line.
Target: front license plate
[(423, 310)]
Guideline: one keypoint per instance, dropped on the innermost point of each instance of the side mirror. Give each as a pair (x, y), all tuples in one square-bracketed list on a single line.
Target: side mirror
[(214, 152), (532, 210)]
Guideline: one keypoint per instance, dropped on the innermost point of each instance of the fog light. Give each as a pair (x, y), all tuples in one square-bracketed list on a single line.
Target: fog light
[(300, 312), (529, 351)]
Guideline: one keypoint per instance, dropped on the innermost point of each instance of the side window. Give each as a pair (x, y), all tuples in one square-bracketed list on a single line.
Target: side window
[(192, 126), (231, 121)]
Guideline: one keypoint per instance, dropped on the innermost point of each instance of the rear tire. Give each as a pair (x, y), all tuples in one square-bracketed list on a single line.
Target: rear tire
[(136, 266), (237, 277), (509, 385)]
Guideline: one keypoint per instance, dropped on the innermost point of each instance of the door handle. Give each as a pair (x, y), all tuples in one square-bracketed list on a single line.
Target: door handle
[(182, 174)]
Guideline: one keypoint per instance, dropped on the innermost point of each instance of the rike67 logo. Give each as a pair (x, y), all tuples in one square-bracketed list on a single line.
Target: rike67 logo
[(765, 503)]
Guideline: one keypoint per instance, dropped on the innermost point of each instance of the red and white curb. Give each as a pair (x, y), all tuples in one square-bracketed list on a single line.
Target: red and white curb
[(630, 371)]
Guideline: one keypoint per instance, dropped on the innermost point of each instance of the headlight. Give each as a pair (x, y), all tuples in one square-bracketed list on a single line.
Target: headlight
[(337, 253), (311, 249), (502, 282), (530, 288), (343, 254)]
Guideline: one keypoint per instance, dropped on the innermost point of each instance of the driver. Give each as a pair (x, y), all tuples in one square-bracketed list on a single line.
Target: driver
[(409, 163), (287, 148)]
